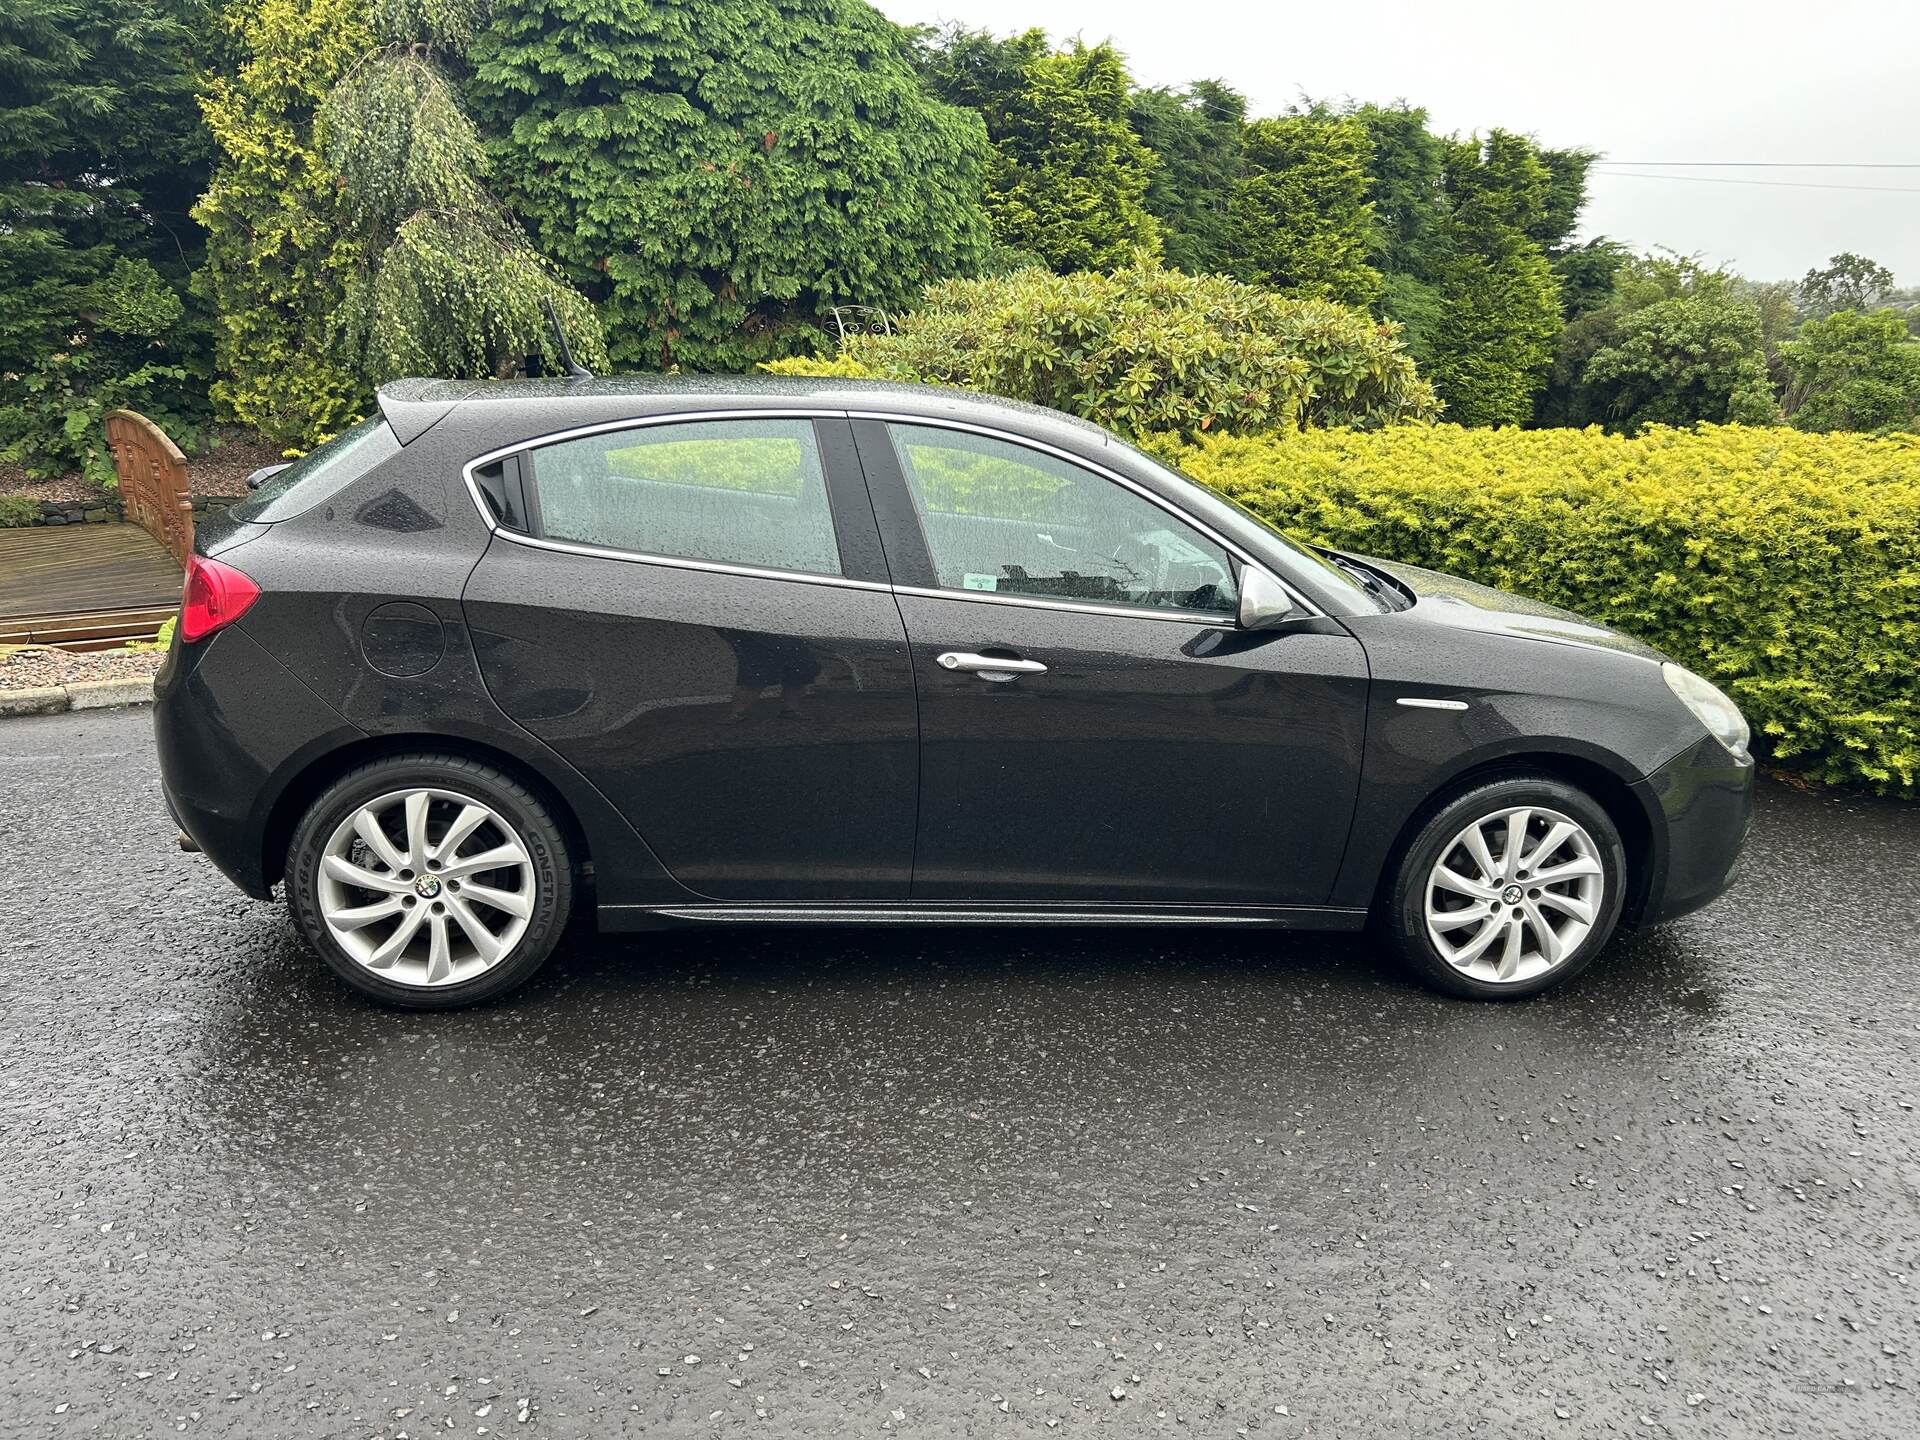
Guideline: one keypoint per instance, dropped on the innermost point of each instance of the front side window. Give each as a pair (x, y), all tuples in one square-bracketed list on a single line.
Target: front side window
[(735, 492), (1004, 518)]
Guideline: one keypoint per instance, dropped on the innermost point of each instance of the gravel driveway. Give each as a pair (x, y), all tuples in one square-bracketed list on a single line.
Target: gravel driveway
[(947, 1183)]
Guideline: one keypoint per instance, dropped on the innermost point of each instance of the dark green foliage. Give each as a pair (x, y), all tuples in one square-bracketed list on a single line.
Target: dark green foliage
[(1406, 172), (278, 249), (1676, 343), (978, 70), (1149, 351), (1196, 132), (717, 175), (444, 281), (1500, 297), (1854, 372), (1587, 273), (1419, 309), (1565, 197), (1472, 243), (1068, 178), (1679, 361), (1846, 282), (101, 152), (1069, 181), (1301, 220)]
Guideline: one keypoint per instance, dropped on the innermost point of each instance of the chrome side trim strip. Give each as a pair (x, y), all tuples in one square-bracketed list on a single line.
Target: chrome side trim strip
[(870, 915), (1038, 602), (838, 582), (1418, 702)]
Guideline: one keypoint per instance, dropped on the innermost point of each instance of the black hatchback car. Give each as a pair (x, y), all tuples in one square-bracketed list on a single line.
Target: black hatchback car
[(669, 652)]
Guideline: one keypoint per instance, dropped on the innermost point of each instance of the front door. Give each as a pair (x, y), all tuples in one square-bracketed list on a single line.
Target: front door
[(1094, 726), (697, 619)]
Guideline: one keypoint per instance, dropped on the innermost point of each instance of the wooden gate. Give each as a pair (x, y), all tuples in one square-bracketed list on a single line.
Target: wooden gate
[(153, 481)]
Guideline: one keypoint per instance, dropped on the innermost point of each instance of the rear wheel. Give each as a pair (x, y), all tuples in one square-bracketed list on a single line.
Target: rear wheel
[(1511, 887), (430, 881)]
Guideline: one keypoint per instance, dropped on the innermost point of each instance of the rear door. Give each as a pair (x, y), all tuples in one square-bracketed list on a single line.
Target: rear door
[(695, 614), (1094, 725)]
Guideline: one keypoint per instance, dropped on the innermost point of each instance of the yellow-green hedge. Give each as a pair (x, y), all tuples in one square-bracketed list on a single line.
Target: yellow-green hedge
[(1784, 566)]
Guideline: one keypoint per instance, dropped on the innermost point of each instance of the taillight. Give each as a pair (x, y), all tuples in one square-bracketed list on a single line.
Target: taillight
[(214, 596)]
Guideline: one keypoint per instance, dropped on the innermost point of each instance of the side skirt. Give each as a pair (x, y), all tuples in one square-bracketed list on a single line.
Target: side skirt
[(616, 918)]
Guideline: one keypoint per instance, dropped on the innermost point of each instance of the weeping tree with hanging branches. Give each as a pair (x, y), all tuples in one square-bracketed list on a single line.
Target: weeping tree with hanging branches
[(443, 282)]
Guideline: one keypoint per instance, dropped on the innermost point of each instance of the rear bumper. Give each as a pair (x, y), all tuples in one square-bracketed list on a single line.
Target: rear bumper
[(219, 782), (1702, 802)]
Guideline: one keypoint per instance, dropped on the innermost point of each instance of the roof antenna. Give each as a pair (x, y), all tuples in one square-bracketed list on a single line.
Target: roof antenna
[(575, 370)]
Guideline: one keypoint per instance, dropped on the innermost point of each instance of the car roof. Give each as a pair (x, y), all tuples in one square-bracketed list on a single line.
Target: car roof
[(545, 405)]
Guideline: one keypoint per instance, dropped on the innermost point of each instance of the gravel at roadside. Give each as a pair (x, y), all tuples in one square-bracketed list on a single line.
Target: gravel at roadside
[(32, 666)]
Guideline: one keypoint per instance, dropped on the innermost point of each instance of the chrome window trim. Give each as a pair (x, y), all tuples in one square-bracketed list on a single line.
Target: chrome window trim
[(641, 557), (1082, 607), (680, 417)]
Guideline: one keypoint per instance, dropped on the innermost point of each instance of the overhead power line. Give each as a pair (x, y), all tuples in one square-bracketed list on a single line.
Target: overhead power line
[(1776, 184), (1768, 164)]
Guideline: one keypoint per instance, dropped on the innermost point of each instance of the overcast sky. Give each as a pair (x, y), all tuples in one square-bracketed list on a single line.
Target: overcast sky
[(1640, 80)]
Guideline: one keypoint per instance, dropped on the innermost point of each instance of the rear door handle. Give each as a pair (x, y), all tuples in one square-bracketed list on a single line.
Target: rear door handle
[(989, 667)]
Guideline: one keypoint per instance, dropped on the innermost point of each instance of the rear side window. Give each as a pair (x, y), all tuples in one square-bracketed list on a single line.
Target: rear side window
[(320, 474), (733, 492)]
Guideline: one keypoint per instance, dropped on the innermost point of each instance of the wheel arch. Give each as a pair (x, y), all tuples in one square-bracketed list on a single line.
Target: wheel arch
[(1639, 834), (310, 779)]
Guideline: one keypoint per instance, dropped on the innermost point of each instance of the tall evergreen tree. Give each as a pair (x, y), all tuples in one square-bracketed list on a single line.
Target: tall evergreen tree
[(718, 174), (101, 152), (1301, 220), (1406, 187), (1565, 198), (444, 282), (1501, 298), (1406, 172), (278, 246), (1069, 177), (1196, 132)]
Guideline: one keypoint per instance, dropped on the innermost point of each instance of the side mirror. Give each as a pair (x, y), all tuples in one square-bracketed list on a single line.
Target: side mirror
[(1264, 601), (264, 474)]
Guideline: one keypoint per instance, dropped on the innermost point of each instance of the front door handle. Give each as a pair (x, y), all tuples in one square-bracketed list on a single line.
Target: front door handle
[(989, 667)]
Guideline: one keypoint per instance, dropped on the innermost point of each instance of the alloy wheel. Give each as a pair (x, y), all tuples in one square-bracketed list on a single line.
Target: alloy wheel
[(1514, 894), (426, 887)]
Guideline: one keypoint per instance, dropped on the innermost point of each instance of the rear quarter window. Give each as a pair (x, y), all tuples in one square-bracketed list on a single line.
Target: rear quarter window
[(320, 474)]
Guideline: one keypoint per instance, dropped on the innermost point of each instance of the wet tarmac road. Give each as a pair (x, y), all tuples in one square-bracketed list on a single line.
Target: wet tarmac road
[(947, 1183)]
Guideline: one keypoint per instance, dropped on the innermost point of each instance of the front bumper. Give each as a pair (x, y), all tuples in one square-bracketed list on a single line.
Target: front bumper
[(1701, 802), (231, 724)]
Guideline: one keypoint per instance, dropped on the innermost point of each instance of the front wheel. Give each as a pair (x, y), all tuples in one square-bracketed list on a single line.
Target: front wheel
[(1513, 886), (430, 881)]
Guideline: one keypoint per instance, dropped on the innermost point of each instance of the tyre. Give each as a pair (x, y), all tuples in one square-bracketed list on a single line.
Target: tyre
[(429, 881), (1510, 887)]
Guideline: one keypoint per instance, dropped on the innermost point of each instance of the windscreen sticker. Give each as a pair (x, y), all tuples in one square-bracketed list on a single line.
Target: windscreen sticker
[(970, 581)]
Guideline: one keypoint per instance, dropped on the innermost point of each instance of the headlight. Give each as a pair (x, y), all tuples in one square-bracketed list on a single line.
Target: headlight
[(1714, 710)]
